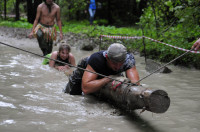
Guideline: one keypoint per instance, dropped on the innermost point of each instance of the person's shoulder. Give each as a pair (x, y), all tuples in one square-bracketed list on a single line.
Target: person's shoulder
[(96, 57), (129, 62), (56, 6), (130, 55), (71, 55), (55, 53), (97, 54), (41, 5)]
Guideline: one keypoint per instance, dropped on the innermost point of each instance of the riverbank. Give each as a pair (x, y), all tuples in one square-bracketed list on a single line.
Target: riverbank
[(76, 40), (88, 43)]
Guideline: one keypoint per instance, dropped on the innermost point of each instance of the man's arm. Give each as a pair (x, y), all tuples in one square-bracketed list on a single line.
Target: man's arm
[(133, 75), (59, 22), (36, 21), (196, 45), (90, 84)]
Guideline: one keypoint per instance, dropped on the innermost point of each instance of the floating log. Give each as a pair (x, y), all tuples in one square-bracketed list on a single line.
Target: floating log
[(136, 97)]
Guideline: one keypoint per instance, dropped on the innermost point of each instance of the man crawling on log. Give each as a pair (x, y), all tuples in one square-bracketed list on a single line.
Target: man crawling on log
[(43, 26), (113, 61)]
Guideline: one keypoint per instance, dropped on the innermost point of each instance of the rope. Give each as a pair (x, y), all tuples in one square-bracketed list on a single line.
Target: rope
[(96, 72), (136, 37), (197, 52), (67, 64), (165, 65)]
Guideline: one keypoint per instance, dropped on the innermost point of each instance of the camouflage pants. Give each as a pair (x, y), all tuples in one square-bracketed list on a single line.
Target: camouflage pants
[(74, 85)]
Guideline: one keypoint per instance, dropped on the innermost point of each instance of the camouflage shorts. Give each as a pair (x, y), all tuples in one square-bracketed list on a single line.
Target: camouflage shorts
[(74, 85)]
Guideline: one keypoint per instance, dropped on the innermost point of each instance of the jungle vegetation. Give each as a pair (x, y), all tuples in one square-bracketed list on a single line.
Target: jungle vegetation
[(175, 22)]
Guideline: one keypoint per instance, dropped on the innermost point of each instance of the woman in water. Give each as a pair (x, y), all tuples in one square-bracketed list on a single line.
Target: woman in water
[(63, 55)]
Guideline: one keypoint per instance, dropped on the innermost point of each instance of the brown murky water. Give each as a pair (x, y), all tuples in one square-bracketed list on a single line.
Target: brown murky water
[(31, 98)]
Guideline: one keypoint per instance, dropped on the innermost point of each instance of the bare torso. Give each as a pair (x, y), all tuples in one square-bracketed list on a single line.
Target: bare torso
[(46, 17)]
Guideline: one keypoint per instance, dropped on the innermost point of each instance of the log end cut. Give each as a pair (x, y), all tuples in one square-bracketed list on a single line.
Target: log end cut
[(158, 101)]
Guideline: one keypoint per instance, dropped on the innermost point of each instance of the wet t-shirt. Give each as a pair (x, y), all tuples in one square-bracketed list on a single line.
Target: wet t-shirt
[(99, 63), (60, 59)]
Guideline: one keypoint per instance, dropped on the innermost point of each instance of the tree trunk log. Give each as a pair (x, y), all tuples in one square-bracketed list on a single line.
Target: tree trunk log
[(17, 14), (30, 11), (136, 97), (5, 9)]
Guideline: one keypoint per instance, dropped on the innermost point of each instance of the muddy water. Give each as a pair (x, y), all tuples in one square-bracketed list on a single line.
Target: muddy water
[(31, 98)]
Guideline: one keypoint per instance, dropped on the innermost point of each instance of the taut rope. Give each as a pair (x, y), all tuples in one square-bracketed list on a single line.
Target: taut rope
[(67, 64), (96, 72), (164, 65)]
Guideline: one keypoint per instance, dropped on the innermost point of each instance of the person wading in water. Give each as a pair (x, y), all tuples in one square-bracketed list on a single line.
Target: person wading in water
[(43, 26), (63, 55), (113, 61)]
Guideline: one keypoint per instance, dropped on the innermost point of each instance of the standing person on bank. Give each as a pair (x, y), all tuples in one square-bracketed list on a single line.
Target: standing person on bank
[(92, 10), (43, 26), (196, 45), (113, 61)]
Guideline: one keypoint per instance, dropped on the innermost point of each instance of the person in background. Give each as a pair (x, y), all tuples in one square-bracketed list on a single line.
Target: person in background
[(63, 54), (43, 26), (92, 10), (196, 45), (113, 61)]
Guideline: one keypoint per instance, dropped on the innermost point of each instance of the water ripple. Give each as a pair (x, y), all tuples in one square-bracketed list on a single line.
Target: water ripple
[(4, 104), (14, 74), (38, 109), (7, 122), (36, 97)]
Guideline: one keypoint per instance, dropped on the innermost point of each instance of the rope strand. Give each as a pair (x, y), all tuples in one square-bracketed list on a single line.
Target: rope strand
[(165, 65), (99, 73), (67, 64)]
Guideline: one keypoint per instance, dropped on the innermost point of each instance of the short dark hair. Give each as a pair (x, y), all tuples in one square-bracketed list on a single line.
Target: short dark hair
[(45, 0)]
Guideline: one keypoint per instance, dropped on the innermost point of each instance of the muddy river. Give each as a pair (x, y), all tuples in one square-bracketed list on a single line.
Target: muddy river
[(31, 98)]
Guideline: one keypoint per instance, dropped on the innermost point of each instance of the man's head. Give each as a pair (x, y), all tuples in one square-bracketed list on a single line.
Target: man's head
[(49, 4), (116, 55), (117, 52)]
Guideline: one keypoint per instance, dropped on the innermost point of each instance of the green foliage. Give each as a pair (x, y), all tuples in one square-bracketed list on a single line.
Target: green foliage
[(174, 22), (178, 35), (95, 30), (72, 9), (101, 22), (9, 5), (19, 24)]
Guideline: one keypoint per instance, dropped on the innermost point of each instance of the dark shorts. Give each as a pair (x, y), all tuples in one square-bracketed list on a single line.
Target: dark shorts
[(43, 43), (74, 85)]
